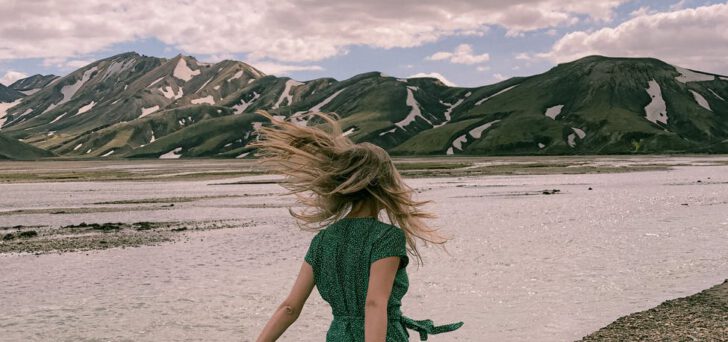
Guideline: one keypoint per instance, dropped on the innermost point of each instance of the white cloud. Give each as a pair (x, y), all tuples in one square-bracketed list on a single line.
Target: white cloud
[(285, 30), (678, 5), (694, 38), (77, 63), (523, 56), (436, 75), (463, 54), (273, 68), (499, 77), (12, 76), (642, 11), (65, 63), (482, 68)]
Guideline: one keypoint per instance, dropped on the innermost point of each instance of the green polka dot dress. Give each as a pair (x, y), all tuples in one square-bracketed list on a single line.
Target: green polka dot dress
[(341, 255)]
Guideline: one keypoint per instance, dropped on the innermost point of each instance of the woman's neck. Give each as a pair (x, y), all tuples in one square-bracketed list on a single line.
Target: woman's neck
[(364, 209)]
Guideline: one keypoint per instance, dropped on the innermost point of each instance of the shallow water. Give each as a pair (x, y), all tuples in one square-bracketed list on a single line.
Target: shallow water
[(522, 266)]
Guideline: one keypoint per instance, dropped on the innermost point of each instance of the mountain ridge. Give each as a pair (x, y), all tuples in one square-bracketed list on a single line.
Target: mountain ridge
[(123, 105)]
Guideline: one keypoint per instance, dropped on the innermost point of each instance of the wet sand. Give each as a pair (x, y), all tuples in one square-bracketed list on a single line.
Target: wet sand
[(523, 265)]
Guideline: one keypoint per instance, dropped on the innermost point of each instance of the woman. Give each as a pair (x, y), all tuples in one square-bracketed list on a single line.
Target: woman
[(356, 261)]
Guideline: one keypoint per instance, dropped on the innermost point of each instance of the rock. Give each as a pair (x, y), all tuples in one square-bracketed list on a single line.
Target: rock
[(28, 234)]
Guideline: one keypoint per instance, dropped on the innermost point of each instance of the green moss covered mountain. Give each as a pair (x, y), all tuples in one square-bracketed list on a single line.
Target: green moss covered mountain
[(11, 149), (137, 106)]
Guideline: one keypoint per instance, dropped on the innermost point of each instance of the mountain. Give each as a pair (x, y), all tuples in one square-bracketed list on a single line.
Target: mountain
[(131, 105), (8, 94), (31, 85), (16, 150)]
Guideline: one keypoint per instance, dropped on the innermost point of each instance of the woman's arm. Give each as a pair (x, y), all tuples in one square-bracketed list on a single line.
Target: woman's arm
[(290, 309), (381, 279)]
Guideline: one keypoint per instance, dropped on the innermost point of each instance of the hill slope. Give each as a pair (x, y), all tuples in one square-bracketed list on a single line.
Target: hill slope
[(138, 106), (17, 150)]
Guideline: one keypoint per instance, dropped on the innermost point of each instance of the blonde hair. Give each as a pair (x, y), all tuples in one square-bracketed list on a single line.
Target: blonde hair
[(328, 173)]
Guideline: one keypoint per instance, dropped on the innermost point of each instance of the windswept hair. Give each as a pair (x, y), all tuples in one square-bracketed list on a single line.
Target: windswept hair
[(328, 174)]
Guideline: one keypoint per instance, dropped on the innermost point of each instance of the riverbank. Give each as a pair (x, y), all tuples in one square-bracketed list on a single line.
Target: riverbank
[(700, 317)]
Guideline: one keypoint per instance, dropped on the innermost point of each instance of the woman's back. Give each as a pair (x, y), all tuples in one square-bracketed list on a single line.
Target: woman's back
[(341, 256), (357, 263)]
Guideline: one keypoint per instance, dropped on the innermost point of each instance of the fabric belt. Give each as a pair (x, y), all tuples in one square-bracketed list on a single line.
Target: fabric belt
[(423, 327)]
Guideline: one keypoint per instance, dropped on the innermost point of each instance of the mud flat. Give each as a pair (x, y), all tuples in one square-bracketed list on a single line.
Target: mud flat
[(542, 250)]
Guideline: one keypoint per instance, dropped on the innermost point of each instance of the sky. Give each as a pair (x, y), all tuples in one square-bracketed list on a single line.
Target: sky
[(465, 43)]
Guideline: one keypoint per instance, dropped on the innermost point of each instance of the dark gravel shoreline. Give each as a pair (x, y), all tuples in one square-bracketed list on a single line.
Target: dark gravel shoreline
[(700, 317)]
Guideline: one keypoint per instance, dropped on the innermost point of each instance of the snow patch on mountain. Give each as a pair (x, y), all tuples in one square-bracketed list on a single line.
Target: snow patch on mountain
[(86, 108), (59, 117), (494, 95), (108, 153), (478, 131), (554, 111), (169, 93), (579, 132), (155, 82), (30, 91), (207, 99), (183, 72), (656, 110), (317, 108), (286, 94), (117, 67), (414, 111), (541, 145), (716, 95), (4, 107), (237, 75), (571, 140), (449, 108), (691, 76), (459, 141), (77, 147), (149, 110), (204, 84), (173, 154), (240, 108), (701, 100), (69, 91), (388, 132)]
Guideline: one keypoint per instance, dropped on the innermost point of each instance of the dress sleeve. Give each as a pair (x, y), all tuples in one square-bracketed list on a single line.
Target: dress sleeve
[(313, 246), (391, 243)]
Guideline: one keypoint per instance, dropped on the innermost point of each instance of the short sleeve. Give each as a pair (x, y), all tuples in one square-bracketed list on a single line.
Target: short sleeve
[(313, 246), (391, 243)]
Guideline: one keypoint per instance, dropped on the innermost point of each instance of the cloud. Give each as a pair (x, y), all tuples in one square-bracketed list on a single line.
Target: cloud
[(524, 56), (284, 30), (273, 68), (482, 68), (65, 63), (499, 77), (463, 54), (12, 76), (436, 75), (695, 38)]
